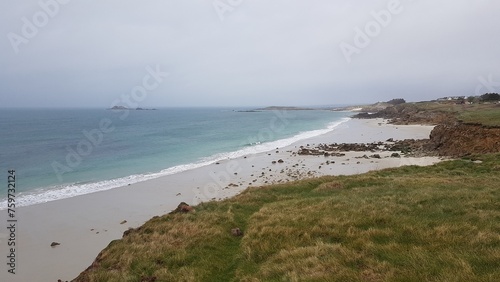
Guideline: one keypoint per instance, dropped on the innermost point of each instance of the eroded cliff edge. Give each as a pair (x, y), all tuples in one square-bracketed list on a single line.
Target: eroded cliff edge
[(452, 135)]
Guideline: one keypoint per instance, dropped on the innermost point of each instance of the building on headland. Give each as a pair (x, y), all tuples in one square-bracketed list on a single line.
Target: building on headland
[(452, 98)]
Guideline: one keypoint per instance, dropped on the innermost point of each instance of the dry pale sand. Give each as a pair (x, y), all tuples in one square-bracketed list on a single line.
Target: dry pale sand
[(84, 225)]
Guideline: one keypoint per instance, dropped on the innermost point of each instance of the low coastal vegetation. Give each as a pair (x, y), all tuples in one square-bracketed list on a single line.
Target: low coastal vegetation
[(435, 112), (488, 116), (437, 223)]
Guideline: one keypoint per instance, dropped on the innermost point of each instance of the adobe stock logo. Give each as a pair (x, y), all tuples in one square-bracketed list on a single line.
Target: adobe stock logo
[(363, 37), (488, 83), (222, 7), (30, 28)]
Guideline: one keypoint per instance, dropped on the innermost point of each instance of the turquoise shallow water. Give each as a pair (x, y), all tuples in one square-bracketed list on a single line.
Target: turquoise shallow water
[(63, 153)]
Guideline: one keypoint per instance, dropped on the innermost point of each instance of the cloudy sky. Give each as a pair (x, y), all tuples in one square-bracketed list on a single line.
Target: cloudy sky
[(73, 53)]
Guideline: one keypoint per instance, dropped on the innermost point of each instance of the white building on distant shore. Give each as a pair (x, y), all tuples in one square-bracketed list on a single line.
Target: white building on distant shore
[(452, 98)]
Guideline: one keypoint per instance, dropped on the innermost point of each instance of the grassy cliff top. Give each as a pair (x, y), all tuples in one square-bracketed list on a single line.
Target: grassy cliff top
[(489, 116), (438, 223), (484, 114)]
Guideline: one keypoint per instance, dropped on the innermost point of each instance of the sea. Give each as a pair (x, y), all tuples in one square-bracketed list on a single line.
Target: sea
[(62, 153)]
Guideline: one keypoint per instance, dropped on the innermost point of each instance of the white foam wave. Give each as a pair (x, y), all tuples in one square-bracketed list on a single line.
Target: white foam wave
[(77, 189)]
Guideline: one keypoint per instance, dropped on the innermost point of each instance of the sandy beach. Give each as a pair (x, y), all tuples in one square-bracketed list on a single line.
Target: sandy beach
[(84, 225)]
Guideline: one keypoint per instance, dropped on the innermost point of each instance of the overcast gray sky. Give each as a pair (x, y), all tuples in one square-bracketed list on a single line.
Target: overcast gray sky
[(75, 53)]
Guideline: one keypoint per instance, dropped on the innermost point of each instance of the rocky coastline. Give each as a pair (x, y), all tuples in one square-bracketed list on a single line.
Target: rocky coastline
[(451, 136), (459, 139)]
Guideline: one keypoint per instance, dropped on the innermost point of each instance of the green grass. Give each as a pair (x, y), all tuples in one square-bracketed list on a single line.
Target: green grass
[(488, 117), (438, 223), (485, 114)]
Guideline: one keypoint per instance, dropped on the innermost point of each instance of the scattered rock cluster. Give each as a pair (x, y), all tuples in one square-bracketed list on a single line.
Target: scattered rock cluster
[(408, 147)]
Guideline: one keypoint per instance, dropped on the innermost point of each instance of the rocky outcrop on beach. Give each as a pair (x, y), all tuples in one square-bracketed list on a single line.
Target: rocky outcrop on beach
[(458, 139), (451, 137)]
